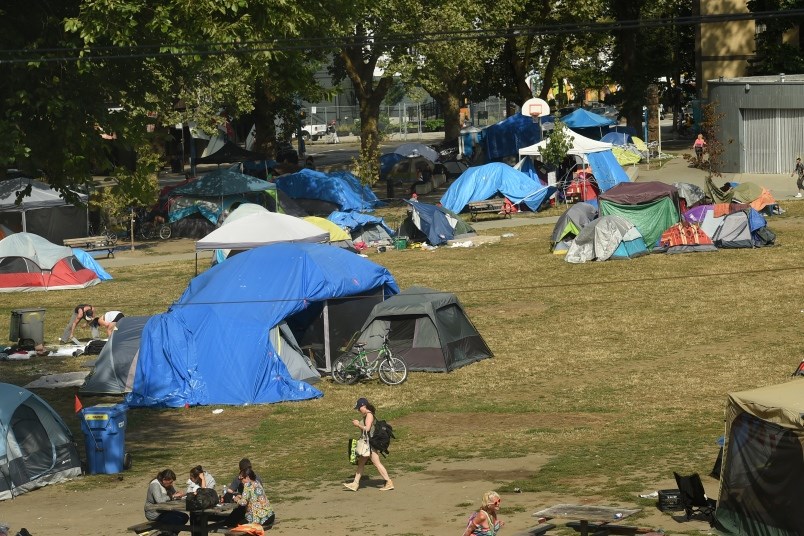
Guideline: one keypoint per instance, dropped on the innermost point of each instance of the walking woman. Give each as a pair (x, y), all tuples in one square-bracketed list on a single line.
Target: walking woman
[(485, 522), (364, 450)]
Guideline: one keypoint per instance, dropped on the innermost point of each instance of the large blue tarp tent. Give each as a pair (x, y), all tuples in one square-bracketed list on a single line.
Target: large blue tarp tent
[(483, 182), (212, 346), (340, 188), (509, 135), (213, 192), (587, 123)]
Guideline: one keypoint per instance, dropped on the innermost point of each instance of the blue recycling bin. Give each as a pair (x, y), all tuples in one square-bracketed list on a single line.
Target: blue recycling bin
[(104, 428)]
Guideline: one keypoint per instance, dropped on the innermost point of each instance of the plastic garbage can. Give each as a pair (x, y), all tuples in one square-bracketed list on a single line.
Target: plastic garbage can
[(27, 326), (104, 428)]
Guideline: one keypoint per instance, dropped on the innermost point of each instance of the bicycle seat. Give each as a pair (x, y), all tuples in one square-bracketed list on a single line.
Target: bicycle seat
[(359, 345)]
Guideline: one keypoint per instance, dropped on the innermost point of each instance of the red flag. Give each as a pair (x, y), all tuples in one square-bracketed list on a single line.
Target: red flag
[(78, 405)]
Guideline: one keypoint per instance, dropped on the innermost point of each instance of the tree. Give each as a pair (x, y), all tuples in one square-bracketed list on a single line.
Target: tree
[(558, 145), (774, 53)]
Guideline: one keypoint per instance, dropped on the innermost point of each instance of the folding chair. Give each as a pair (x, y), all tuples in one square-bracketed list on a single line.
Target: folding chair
[(693, 497)]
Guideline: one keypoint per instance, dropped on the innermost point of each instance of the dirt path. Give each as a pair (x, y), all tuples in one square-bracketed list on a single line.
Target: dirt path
[(434, 501)]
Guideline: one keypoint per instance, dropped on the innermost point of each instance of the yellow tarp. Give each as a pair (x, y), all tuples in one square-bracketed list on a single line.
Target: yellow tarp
[(336, 233)]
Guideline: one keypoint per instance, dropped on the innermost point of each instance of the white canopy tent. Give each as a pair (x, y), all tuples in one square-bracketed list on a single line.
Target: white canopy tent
[(43, 212), (581, 145), (258, 228)]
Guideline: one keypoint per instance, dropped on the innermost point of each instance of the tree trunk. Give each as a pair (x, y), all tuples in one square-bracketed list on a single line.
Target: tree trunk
[(626, 45), (264, 121), (550, 69)]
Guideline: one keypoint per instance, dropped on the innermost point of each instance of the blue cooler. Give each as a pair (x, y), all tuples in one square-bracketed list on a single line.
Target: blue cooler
[(104, 428)]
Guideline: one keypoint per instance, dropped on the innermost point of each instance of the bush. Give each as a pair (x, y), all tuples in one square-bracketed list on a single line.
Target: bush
[(433, 125)]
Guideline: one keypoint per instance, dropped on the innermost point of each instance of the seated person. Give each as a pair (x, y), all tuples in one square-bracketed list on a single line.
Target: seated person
[(161, 490), (258, 507), (199, 479), (238, 515), (108, 321)]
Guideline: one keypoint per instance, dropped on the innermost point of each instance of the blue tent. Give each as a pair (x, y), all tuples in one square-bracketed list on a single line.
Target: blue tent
[(339, 188), (436, 223), (608, 172), (212, 346), (483, 182), (387, 163), (587, 123), (89, 262), (213, 192), (509, 135)]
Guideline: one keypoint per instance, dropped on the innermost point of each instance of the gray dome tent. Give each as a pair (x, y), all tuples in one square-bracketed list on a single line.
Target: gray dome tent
[(427, 328), (36, 447)]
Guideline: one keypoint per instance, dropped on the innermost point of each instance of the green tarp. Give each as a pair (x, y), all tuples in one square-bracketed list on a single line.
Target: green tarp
[(651, 219)]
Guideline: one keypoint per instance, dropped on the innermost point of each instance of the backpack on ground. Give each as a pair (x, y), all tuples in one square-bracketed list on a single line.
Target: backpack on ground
[(381, 440)]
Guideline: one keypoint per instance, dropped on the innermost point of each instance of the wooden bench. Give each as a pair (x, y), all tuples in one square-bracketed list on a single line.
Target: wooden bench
[(156, 525), (538, 530), (496, 205), (92, 243), (605, 529)]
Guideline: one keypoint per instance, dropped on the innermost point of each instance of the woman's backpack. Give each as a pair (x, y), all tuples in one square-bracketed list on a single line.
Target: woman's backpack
[(381, 439), (201, 500)]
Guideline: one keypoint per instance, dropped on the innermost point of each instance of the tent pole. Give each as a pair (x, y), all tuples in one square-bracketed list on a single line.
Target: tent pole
[(327, 356), (196, 262)]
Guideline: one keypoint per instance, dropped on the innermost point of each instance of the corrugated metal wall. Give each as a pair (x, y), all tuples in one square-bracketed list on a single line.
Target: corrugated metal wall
[(773, 139)]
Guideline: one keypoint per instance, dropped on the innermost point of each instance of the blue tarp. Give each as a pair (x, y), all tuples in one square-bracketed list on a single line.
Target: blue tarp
[(617, 138), (355, 220), (89, 262), (387, 163), (581, 118), (608, 172), (212, 345), (509, 135), (339, 188), (483, 182)]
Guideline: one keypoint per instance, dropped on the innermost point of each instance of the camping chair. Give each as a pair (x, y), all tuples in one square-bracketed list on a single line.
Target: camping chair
[(693, 497)]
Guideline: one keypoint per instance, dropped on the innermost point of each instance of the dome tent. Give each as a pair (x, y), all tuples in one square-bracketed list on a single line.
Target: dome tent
[(36, 447), (427, 328)]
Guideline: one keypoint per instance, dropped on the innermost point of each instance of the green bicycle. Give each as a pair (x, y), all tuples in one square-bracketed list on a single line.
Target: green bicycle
[(354, 365)]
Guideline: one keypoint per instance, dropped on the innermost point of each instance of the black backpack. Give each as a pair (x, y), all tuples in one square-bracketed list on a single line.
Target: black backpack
[(381, 440), (201, 500)]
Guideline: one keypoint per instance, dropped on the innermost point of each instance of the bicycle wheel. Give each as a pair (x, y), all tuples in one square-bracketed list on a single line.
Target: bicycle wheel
[(146, 231), (164, 232), (111, 238), (344, 370), (393, 371)]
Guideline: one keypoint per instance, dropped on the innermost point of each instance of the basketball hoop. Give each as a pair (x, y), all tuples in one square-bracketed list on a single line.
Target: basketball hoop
[(536, 109)]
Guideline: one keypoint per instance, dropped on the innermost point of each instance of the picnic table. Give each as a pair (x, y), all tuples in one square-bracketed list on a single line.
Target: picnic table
[(93, 243), (201, 521), (592, 519), (496, 205)]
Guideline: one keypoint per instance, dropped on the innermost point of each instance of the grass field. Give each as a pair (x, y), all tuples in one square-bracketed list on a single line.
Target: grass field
[(618, 371)]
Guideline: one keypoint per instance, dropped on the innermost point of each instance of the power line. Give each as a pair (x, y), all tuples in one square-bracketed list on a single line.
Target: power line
[(116, 53)]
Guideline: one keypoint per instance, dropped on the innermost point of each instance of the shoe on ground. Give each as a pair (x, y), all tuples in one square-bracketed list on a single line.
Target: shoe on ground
[(352, 486), (388, 486), (798, 194)]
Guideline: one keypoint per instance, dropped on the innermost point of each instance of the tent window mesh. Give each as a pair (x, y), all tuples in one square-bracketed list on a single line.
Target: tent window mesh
[(13, 265)]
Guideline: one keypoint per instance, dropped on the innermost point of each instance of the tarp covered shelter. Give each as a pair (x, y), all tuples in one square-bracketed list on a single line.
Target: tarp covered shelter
[(365, 228), (508, 136), (437, 225), (484, 182), (116, 365), (212, 193), (333, 191), (762, 474), (608, 237), (43, 212), (607, 171), (212, 346), (36, 447), (651, 206), (29, 262), (427, 328)]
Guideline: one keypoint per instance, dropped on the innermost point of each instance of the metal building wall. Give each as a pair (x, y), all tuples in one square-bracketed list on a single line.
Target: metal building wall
[(762, 128)]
